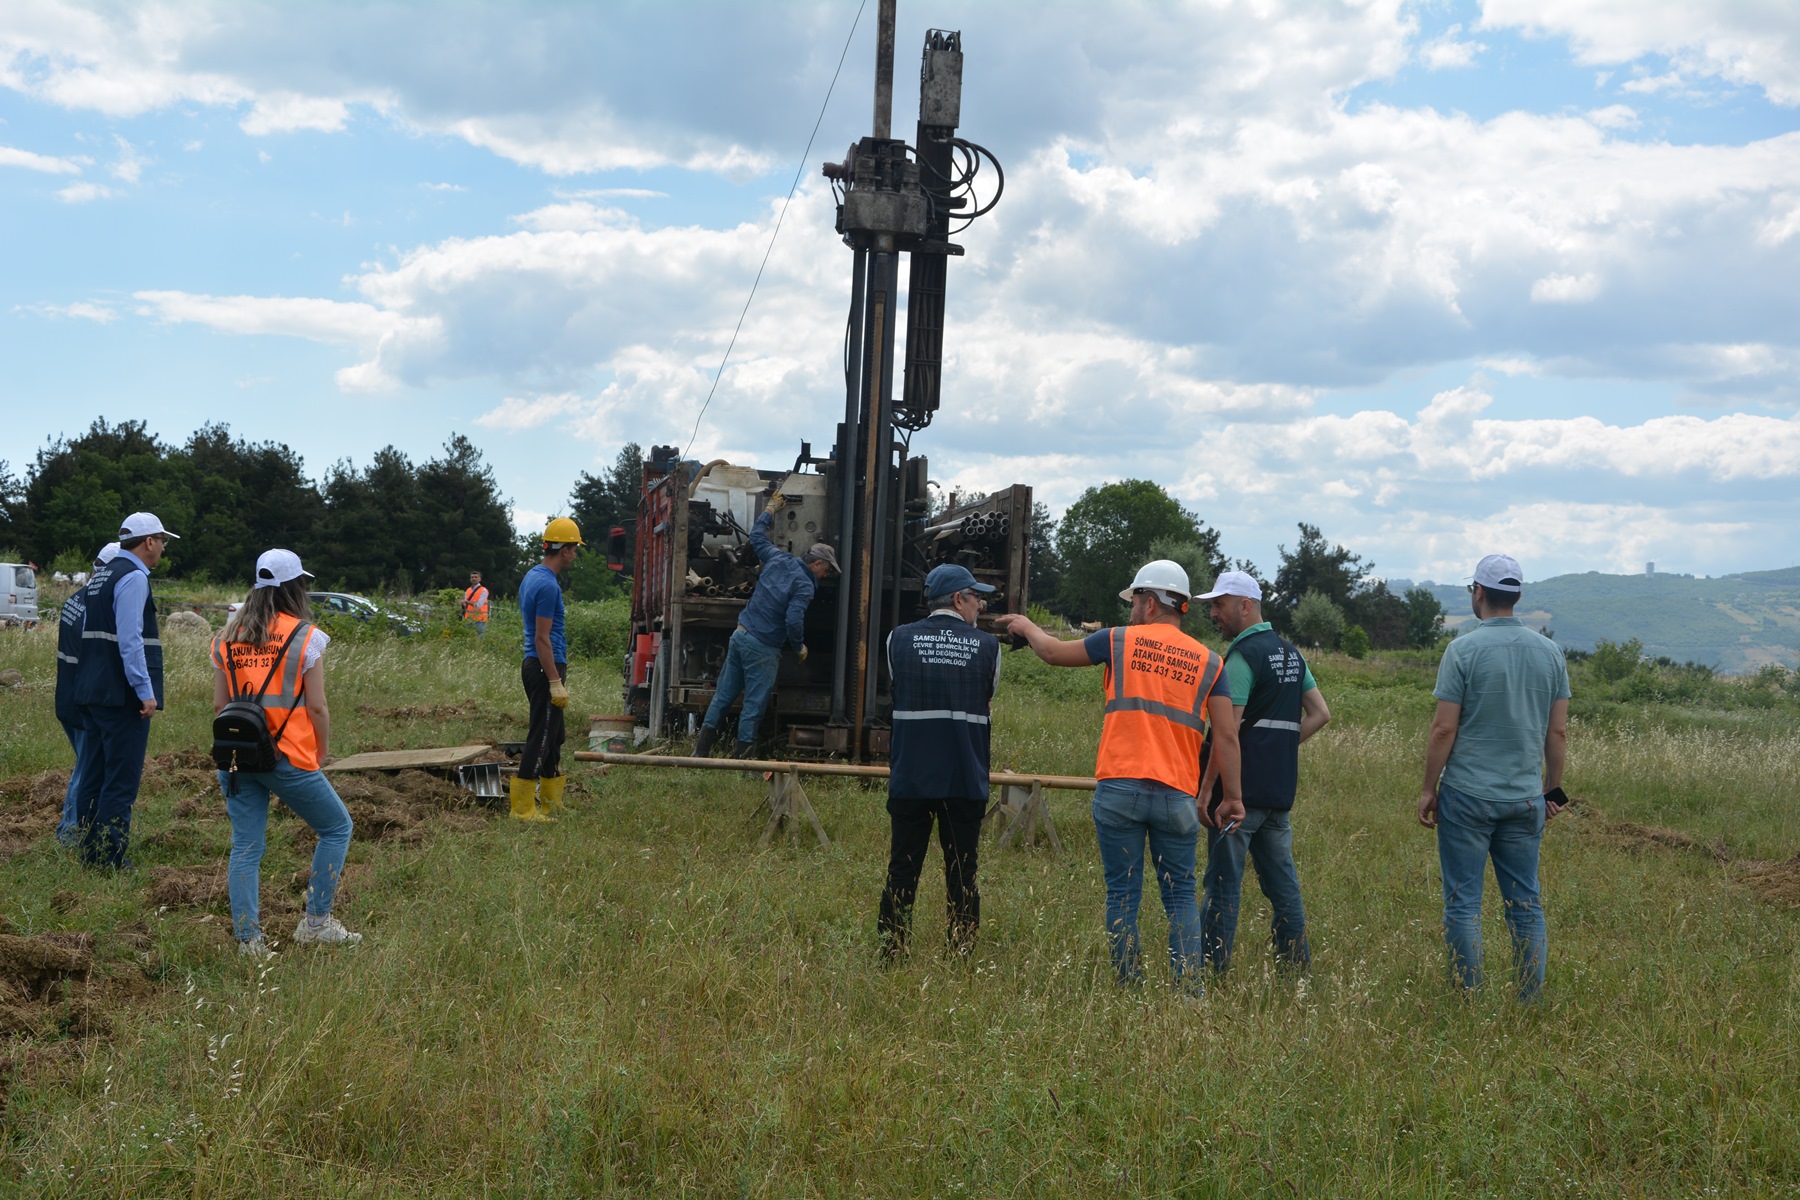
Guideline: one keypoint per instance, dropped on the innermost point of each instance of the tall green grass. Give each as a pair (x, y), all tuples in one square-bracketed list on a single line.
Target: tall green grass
[(636, 1002)]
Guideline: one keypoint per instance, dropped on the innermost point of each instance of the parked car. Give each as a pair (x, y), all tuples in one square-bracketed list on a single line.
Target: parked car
[(362, 609), (18, 594)]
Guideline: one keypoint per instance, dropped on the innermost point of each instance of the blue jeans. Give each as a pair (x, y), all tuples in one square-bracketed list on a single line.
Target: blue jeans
[(1269, 838), (1471, 831), (749, 669), (311, 798), (68, 829), (1127, 812), (113, 742)]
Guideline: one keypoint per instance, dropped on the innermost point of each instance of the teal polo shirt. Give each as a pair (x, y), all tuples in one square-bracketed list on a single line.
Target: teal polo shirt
[(1506, 677), (1240, 678)]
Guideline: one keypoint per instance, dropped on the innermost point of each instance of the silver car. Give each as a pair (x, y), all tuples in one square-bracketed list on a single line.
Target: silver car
[(18, 594)]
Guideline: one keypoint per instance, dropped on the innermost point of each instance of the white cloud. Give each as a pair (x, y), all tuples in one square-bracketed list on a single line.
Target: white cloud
[(286, 112), (82, 193), (1754, 42), (611, 193), (12, 157), (1565, 289), (1446, 52), (80, 309), (443, 187), (337, 322), (129, 166), (531, 412)]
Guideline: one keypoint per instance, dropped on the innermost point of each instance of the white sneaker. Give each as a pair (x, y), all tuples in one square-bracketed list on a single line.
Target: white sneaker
[(256, 948), (330, 932)]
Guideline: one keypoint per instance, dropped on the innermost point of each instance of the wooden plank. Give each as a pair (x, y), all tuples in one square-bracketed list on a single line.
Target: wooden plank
[(400, 760)]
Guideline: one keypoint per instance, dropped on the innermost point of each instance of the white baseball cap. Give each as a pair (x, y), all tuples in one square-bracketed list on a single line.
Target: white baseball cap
[(1499, 571), (107, 553), (1235, 583), (276, 567), (142, 524)]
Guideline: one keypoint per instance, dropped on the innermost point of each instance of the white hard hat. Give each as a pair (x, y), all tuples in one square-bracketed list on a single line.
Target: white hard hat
[(1162, 575)]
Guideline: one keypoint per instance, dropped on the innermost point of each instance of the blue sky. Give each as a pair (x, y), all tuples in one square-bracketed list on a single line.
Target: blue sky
[(1442, 278)]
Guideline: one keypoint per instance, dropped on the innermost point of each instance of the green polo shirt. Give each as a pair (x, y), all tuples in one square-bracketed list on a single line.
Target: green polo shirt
[(1506, 677), (1240, 678)]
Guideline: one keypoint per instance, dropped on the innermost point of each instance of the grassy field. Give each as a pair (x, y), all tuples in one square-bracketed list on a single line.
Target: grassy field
[(635, 1001)]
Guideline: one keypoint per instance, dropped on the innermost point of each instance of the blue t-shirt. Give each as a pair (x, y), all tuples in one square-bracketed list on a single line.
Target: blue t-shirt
[(1506, 677), (540, 595)]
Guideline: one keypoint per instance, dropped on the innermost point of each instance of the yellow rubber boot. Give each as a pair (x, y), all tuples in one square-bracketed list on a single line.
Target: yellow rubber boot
[(550, 794), (523, 795)]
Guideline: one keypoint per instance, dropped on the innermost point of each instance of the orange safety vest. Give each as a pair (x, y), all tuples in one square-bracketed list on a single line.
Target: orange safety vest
[(1156, 687), (283, 702), (475, 604)]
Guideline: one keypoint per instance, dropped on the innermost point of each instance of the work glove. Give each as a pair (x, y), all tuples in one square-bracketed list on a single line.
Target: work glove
[(776, 503), (803, 653), (559, 695)]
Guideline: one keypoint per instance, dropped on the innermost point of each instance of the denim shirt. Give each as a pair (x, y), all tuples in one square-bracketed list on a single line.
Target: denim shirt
[(776, 614), (128, 617)]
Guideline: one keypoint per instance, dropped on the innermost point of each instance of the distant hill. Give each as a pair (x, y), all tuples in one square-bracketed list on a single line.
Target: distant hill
[(1733, 623)]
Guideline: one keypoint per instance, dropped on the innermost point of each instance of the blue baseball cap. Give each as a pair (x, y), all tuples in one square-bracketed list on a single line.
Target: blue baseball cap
[(947, 579)]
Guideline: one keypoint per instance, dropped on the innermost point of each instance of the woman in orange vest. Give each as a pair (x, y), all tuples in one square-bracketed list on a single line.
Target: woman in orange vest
[(1161, 686), (250, 651), (475, 603)]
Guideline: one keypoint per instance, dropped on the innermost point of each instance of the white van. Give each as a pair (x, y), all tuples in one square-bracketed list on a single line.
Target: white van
[(18, 594)]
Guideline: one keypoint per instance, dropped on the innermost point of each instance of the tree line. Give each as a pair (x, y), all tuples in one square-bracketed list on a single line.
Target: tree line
[(403, 526), (392, 524), (1321, 594)]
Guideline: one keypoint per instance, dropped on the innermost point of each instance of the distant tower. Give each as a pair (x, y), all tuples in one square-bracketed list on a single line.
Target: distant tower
[(1649, 568)]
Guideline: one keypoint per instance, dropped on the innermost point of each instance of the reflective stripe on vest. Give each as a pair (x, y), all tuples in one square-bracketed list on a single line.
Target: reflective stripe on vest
[(1156, 736), (940, 714), (1266, 723)]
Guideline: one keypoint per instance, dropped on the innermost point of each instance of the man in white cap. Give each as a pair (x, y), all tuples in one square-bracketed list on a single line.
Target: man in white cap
[(1161, 686), (1493, 763), (1278, 706), (68, 654), (118, 687)]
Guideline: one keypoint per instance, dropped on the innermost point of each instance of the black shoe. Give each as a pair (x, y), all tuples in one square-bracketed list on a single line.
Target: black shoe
[(745, 750), (704, 743)]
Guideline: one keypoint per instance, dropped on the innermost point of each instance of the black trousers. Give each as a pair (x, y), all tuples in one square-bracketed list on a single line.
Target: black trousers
[(542, 758), (959, 833)]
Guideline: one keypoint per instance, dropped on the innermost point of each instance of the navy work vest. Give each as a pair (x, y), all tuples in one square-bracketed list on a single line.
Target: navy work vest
[(1269, 736), (943, 671), (100, 675), (68, 653)]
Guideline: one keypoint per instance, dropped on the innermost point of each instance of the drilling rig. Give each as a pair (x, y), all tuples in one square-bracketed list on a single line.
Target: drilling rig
[(869, 497)]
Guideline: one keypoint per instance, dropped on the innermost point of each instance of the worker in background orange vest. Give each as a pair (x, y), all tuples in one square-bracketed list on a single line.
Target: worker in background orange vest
[(255, 648), (475, 604), (1161, 686)]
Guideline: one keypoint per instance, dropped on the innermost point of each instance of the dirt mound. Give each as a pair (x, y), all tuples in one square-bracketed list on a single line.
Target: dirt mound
[(187, 838), (29, 793), (206, 885), (1630, 836), (52, 983), (181, 760), (403, 806), (1776, 883)]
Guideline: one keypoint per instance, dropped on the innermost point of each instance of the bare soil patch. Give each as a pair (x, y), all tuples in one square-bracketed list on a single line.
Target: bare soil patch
[(1776, 883), (57, 983)]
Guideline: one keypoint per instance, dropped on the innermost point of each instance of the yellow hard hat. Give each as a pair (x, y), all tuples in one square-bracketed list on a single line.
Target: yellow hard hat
[(564, 529)]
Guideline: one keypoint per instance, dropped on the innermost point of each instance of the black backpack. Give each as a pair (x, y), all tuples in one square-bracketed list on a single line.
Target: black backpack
[(241, 737)]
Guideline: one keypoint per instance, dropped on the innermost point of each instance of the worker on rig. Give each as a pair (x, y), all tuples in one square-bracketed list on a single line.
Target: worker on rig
[(775, 618), (537, 790)]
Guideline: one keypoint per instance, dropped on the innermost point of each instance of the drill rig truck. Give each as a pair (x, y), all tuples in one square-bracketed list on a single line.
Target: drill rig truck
[(694, 569)]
